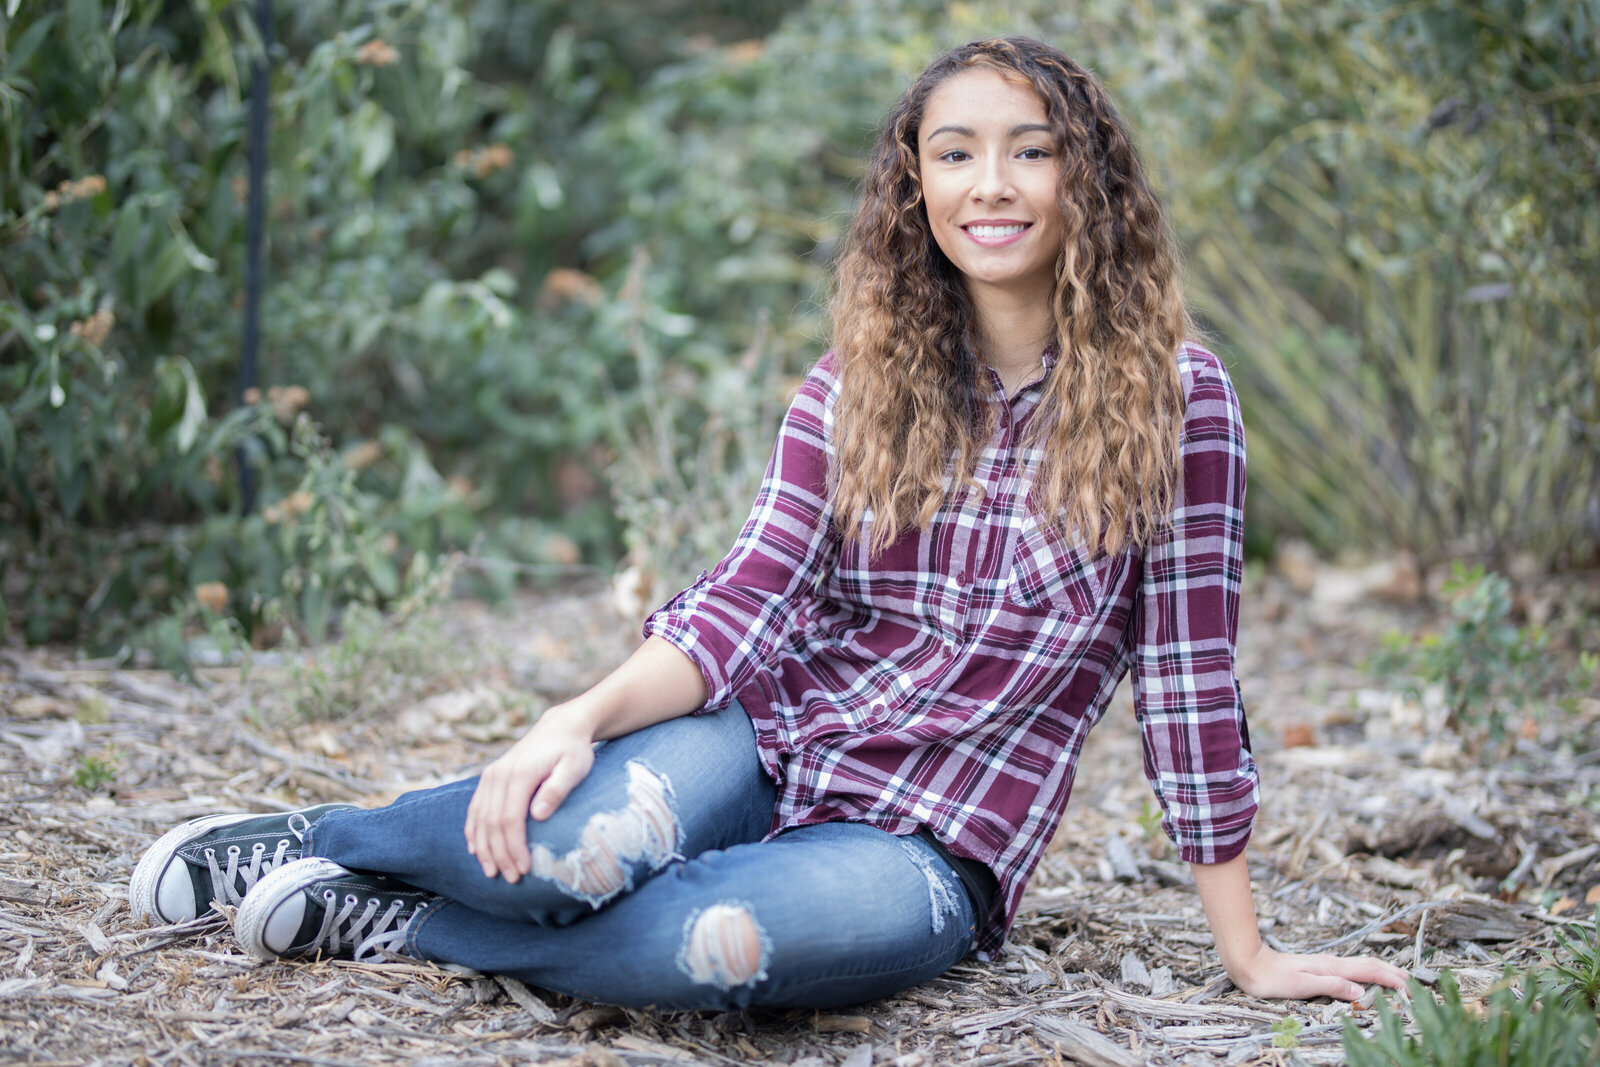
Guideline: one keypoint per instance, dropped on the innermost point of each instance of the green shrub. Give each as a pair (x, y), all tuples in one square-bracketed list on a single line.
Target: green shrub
[(1572, 974), (1389, 215), (1516, 1028), (96, 771), (1488, 669)]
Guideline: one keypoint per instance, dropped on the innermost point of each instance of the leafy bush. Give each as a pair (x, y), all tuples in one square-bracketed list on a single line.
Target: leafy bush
[(1517, 1027), (1390, 218), (449, 369), (1572, 975), (1487, 668)]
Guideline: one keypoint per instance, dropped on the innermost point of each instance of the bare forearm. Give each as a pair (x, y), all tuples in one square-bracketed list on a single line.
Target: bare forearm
[(658, 682), (1224, 890), (1264, 972)]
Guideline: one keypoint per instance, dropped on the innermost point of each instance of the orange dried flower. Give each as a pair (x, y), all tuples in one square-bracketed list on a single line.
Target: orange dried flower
[(484, 161), (288, 401), (297, 504), (95, 329), (567, 286), (67, 192), (212, 596), (363, 455), (377, 53)]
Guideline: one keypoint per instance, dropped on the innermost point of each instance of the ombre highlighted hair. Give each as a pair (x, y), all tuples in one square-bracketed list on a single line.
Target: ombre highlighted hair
[(904, 330)]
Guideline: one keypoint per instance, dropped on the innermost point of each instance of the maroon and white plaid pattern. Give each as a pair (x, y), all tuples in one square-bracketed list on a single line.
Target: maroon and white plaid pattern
[(951, 681)]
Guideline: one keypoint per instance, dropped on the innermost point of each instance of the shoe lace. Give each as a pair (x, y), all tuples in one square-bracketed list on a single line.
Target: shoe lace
[(229, 886), (368, 934)]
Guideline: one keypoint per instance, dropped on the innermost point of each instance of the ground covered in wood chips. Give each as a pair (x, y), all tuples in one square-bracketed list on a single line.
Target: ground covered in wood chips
[(1378, 834)]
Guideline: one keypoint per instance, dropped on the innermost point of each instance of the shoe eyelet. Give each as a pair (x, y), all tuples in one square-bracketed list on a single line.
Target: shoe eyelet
[(233, 850), (259, 848)]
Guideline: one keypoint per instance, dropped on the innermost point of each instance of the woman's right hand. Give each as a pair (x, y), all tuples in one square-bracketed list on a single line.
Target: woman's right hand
[(532, 778)]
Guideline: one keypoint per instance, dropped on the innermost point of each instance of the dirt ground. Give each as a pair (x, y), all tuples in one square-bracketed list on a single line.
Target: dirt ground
[(1378, 834)]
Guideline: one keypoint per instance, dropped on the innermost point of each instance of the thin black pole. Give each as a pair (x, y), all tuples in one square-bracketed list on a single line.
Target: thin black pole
[(259, 83)]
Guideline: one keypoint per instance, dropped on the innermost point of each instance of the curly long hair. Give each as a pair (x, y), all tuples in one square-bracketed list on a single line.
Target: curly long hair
[(910, 405)]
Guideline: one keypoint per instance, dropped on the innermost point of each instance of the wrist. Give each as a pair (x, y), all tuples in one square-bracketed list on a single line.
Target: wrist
[(1242, 960), (579, 718)]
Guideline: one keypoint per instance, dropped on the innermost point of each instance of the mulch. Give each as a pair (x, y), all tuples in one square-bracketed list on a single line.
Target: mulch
[(1380, 833)]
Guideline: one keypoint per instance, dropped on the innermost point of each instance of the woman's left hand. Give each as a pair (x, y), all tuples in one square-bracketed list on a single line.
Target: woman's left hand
[(1299, 976)]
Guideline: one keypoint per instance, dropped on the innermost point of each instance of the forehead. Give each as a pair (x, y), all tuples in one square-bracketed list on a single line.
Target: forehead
[(981, 98)]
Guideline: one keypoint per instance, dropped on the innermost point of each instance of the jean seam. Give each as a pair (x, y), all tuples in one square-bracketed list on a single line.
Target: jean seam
[(422, 919)]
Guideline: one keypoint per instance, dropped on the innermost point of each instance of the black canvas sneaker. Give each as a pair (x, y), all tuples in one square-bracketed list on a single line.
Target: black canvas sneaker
[(314, 906), (218, 857)]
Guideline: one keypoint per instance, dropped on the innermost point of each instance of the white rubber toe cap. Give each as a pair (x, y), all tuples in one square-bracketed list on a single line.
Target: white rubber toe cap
[(175, 893), (283, 923)]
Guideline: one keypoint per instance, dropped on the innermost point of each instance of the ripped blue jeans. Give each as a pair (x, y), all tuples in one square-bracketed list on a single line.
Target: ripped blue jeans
[(651, 885)]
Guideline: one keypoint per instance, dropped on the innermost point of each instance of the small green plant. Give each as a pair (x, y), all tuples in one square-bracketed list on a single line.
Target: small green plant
[(1149, 819), (1517, 1027), (96, 771), (1286, 1032), (1486, 666), (381, 659), (1575, 981)]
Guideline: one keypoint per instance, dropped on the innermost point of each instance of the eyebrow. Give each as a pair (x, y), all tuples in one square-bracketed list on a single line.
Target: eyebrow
[(1016, 131)]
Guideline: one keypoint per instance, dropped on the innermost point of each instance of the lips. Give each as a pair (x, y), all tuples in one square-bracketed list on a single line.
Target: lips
[(993, 232), (1007, 230)]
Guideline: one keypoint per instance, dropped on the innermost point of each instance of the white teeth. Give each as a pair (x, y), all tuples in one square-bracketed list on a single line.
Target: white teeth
[(995, 231)]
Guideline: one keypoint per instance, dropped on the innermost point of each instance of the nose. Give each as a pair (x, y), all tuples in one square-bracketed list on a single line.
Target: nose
[(992, 183)]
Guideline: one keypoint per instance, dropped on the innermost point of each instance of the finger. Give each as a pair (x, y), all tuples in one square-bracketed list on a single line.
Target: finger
[(563, 779), (508, 835), (482, 831), (1367, 970), (1330, 985)]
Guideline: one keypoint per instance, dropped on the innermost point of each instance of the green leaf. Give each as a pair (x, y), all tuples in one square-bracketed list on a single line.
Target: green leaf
[(381, 570), (170, 264), (374, 133), (314, 611), (58, 395), (28, 43), (194, 409), (8, 446)]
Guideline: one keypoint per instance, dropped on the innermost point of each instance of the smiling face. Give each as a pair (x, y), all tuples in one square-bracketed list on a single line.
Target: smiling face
[(989, 172)]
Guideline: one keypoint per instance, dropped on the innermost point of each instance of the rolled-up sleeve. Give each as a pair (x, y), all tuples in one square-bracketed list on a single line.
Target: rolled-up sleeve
[(1186, 694), (732, 619)]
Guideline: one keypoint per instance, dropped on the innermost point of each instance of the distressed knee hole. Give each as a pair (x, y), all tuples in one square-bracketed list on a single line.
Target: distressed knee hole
[(601, 864), (942, 900), (725, 947)]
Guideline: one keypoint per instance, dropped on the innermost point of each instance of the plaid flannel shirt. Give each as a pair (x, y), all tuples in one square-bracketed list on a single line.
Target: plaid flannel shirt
[(950, 682)]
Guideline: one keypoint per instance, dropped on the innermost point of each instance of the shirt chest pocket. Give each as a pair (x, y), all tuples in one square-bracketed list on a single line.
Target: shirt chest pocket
[(1055, 571)]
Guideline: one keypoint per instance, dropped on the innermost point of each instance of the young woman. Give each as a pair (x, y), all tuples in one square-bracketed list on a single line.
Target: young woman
[(831, 767)]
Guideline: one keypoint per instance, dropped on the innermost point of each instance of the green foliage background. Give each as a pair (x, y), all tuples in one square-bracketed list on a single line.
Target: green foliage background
[(516, 247)]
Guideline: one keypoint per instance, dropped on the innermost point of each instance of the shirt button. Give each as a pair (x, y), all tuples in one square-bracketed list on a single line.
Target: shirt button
[(961, 579)]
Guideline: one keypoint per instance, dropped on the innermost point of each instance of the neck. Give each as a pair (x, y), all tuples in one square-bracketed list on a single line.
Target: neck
[(1013, 331)]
